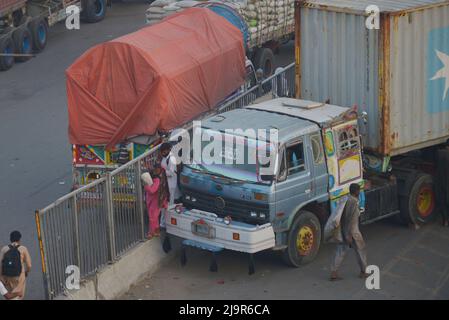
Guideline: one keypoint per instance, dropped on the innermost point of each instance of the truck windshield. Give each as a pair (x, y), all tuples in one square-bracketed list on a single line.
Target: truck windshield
[(235, 158)]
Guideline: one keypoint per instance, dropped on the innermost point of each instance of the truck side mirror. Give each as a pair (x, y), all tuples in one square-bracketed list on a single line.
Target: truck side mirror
[(364, 117)]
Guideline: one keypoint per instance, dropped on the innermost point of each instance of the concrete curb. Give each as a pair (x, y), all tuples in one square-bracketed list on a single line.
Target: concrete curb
[(116, 279)]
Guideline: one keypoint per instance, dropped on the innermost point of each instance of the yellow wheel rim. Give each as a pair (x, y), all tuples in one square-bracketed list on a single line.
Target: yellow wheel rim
[(304, 240), (425, 202)]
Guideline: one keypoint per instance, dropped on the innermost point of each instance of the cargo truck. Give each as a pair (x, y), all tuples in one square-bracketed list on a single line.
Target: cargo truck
[(397, 80), (177, 75), (24, 24), (265, 26)]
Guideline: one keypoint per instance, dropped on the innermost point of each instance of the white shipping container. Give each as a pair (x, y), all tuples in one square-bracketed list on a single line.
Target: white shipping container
[(398, 74)]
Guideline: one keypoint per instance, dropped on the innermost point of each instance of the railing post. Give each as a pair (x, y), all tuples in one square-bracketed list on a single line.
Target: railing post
[(76, 232), (140, 206), (41, 239), (110, 218), (260, 89)]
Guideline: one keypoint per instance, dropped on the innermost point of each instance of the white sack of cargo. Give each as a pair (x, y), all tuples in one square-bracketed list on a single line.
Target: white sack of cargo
[(160, 9), (187, 3), (266, 19)]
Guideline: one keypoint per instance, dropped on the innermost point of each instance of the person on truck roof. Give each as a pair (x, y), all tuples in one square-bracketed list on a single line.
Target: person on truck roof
[(442, 184), (352, 237)]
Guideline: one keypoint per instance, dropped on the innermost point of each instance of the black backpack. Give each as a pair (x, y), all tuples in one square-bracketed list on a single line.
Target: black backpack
[(12, 262)]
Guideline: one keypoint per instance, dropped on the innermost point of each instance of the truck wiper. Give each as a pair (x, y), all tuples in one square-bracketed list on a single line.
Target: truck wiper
[(204, 170)]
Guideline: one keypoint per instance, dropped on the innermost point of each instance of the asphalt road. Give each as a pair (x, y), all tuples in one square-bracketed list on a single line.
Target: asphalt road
[(413, 265), (35, 156)]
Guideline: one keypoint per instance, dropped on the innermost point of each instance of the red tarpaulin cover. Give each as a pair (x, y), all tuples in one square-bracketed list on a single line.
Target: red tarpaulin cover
[(159, 77)]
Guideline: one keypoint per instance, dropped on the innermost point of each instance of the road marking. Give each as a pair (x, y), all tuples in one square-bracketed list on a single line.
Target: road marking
[(442, 281), (408, 281), (419, 265), (392, 263), (431, 250)]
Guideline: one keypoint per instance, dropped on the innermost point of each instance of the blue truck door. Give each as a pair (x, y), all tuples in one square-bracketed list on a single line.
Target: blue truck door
[(319, 173), (293, 186)]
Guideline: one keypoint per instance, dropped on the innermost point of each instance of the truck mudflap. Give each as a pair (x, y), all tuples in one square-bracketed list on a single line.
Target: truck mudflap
[(208, 228)]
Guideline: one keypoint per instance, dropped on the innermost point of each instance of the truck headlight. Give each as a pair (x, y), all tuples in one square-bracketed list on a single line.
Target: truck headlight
[(253, 214), (179, 209), (188, 197), (263, 215), (193, 199)]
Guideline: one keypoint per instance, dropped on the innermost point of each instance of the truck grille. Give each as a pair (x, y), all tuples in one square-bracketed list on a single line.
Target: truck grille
[(237, 209)]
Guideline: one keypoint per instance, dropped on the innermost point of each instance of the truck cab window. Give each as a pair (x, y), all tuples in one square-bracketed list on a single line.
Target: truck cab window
[(282, 168), (295, 159), (317, 148)]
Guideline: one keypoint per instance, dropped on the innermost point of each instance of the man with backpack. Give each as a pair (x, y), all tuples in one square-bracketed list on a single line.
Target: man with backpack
[(15, 264)]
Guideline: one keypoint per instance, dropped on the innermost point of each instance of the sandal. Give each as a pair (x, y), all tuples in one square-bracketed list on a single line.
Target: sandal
[(335, 277)]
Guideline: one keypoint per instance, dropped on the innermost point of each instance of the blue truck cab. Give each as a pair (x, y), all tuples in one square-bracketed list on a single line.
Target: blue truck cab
[(315, 156)]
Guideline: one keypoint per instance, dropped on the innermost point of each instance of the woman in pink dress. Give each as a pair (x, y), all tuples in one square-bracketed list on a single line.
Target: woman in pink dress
[(156, 198)]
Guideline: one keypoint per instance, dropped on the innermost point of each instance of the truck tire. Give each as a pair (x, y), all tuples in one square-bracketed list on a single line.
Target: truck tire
[(264, 59), (418, 206), (93, 10), (304, 239), (23, 43), (6, 46), (39, 32)]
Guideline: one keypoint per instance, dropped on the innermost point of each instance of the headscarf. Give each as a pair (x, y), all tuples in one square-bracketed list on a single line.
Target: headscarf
[(147, 179)]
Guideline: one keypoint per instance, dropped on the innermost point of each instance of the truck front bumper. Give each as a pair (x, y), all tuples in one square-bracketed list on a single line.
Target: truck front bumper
[(208, 228)]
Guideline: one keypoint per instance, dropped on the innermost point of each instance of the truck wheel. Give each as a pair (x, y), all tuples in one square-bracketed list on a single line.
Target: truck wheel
[(39, 31), (23, 43), (304, 240), (6, 47), (264, 59), (418, 206), (93, 10)]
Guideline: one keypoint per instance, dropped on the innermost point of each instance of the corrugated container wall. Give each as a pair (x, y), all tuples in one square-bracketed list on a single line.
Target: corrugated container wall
[(343, 61)]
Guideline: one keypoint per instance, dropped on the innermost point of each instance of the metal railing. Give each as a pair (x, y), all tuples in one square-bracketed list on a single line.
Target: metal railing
[(97, 223), (280, 84), (93, 225)]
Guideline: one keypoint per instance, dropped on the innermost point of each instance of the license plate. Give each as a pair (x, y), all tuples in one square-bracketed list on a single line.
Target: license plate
[(203, 229)]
